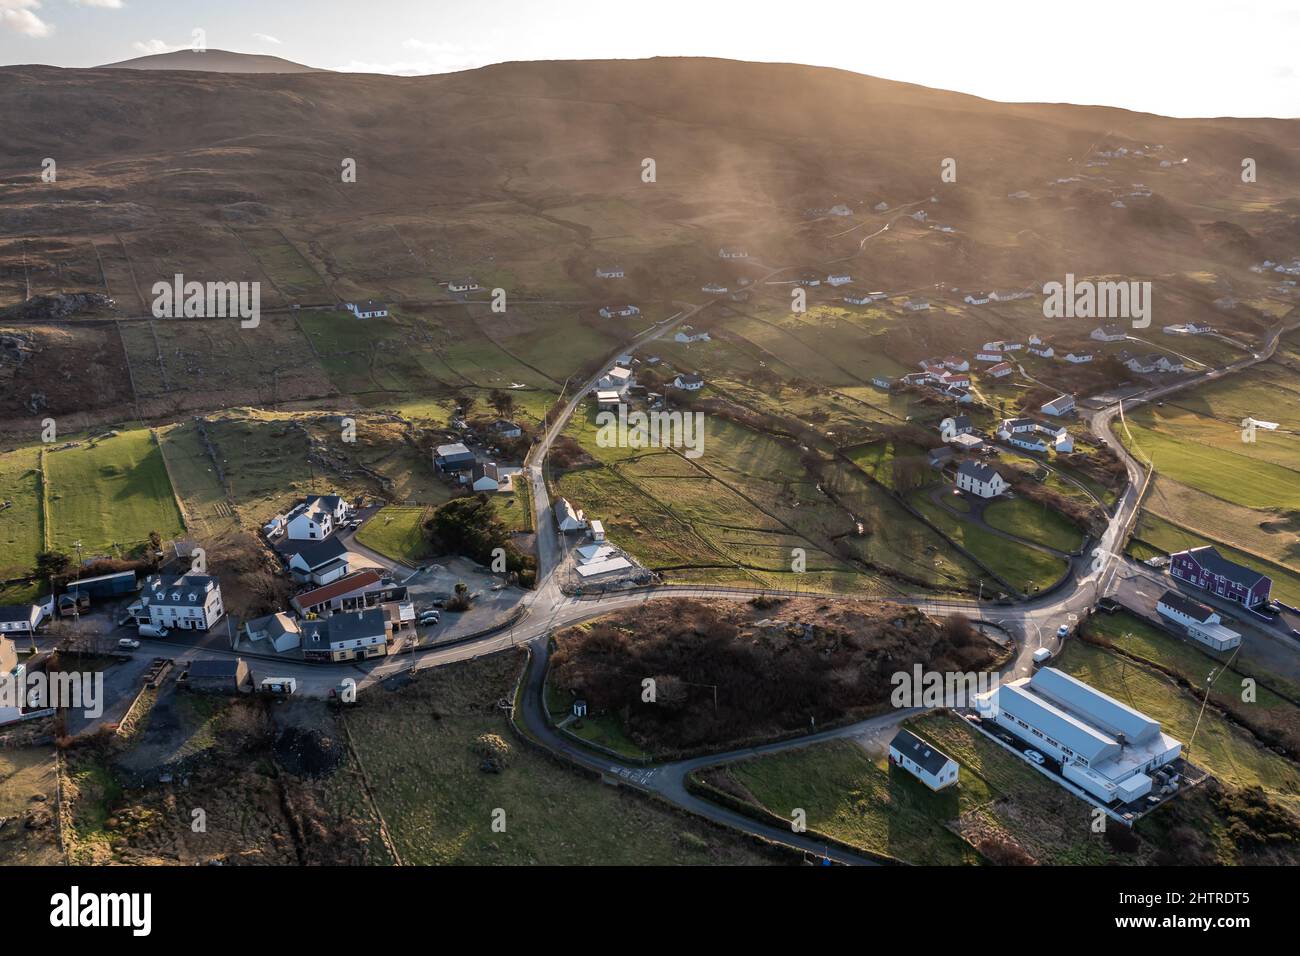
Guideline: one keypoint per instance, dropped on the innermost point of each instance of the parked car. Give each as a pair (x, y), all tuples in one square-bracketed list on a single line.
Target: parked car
[(1035, 756), (128, 644), (428, 618), (1063, 631)]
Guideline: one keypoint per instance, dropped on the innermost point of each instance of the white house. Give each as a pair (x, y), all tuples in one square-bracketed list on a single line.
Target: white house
[(191, 602), (726, 253), (462, 285), (1103, 746), (1141, 363), (506, 428), (1201, 622), (988, 355), (688, 381), (1027, 442), (1009, 296), (316, 518), (280, 630), (687, 335), (1016, 426), (1078, 358), (839, 209), (1061, 405), (622, 311), (370, 309), (609, 272), (484, 477), (1108, 333), (568, 518), (980, 479), (617, 379), (1001, 370), (916, 305), (1042, 350), (976, 298), (925, 762), (956, 363), (714, 288), (317, 561), (839, 279), (1063, 443)]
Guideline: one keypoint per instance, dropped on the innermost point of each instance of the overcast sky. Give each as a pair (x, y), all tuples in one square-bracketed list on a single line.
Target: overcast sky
[(1185, 58)]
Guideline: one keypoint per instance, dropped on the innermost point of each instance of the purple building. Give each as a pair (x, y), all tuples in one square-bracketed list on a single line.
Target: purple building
[(1210, 571)]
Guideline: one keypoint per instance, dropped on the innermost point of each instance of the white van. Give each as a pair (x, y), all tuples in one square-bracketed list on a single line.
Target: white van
[(152, 630), (1042, 656)]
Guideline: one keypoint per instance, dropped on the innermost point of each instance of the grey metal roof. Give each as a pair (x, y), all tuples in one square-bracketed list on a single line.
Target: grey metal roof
[(977, 470), (215, 669), (925, 755), (188, 590)]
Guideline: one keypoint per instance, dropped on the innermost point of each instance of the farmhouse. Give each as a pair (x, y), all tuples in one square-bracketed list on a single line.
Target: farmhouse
[(916, 305), (1104, 747), (19, 618), (1078, 358), (191, 602), (1200, 621), (976, 298), (370, 309), (610, 272), (1208, 570), (568, 518), (350, 635), (1141, 363), (1061, 405), (454, 457), (1108, 333), (689, 382), (980, 479), (931, 766), (315, 518), (687, 335), (622, 311), (1042, 350), (462, 285)]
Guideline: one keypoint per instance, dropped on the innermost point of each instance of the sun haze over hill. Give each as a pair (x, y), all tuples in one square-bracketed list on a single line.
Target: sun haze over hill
[(212, 61)]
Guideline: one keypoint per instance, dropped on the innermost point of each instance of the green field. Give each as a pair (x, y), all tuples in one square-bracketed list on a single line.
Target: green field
[(109, 494), (1034, 522), (20, 512), (395, 531)]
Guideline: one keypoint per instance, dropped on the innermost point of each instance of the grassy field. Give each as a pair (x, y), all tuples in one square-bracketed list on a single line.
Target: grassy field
[(418, 746), (1034, 522), (395, 531), (110, 493), (25, 773), (20, 511), (864, 802)]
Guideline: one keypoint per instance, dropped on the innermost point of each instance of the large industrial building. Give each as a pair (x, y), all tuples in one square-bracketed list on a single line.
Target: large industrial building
[(1104, 747)]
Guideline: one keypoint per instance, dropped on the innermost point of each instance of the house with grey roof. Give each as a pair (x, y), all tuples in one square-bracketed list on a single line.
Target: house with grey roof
[(191, 602), (923, 760)]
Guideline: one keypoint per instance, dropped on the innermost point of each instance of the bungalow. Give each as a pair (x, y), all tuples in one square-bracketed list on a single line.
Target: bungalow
[(191, 602), (567, 518), (931, 766), (976, 298), (617, 379), (1016, 426), (1165, 363), (484, 477), (956, 363), (1012, 346), (609, 272), (714, 288), (808, 279), (1200, 621), (454, 457), (989, 355), (315, 518), (506, 428), (1108, 333), (1208, 570), (621, 311), (916, 305), (859, 298), (687, 335), (918, 378), (279, 630), (726, 253), (351, 635), (462, 285), (1061, 405), (370, 309), (1042, 350), (980, 479), (317, 561), (1142, 363), (1078, 358), (955, 379), (961, 425), (839, 279), (19, 618), (959, 394), (1001, 370), (882, 382), (689, 382), (1028, 443)]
